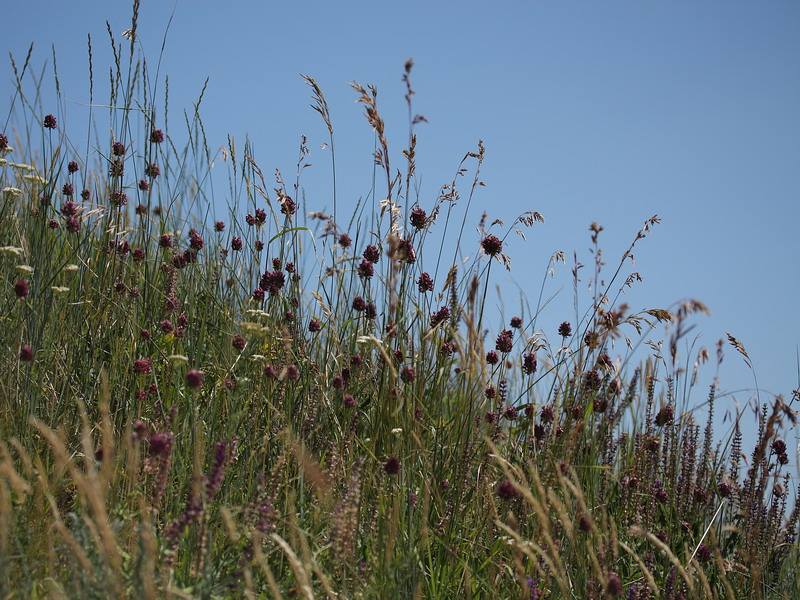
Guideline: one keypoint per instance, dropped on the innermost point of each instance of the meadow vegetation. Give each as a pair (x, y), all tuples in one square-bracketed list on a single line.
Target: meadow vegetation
[(280, 402)]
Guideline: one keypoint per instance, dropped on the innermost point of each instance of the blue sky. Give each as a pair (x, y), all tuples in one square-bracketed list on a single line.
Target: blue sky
[(590, 111)]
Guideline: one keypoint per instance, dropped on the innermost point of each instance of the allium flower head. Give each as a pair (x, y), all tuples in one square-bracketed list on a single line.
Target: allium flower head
[(292, 373), (118, 198), (344, 240), (152, 170), (73, 225), (50, 121), (26, 353), (314, 326), (516, 322), (506, 490), (156, 136), (165, 241), (236, 244), (219, 226), (86, 195), (392, 466), (68, 189), (365, 269), (21, 288), (418, 218), (72, 167), (359, 304), (529, 364), (440, 316), (142, 366), (492, 245), (118, 149), (425, 283), (160, 443), (492, 358), (3, 142), (372, 254), (505, 341), (194, 379)]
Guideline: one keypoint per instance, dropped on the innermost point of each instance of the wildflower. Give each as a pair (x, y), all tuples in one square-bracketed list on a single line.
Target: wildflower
[(143, 185), (50, 122), (703, 553), (418, 218), (492, 245), (273, 281), (165, 241), (405, 251), (489, 417), (492, 358), (529, 364), (261, 216), (72, 167), (490, 392), (160, 444), (314, 326), (516, 322), (219, 226), (661, 495), (195, 240), (288, 207), (408, 375), (292, 373), (194, 379), (664, 416), (118, 149), (425, 283), (21, 288), (183, 320), (591, 380), (504, 341), (152, 170), (392, 466), (156, 136), (118, 198), (26, 353), (613, 585), (236, 244), (258, 294), (440, 316), (365, 269), (344, 240), (167, 326), (349, 400), (359, 304), (73, 225), (506, 490), (3, 142), (53, 224), (142, 366), (372, 254)]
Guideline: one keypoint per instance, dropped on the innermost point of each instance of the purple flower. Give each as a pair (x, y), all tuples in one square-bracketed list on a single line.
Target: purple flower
[(359, 304), (152, 170), (118, 198), (50, 122), (292, 373), (167, 326), (142, 366), (72, 167), (440, 316), (236, 244), (372, 254), (507, 490), (258, 294), (219, 226), (73, 225), (160, 444), (26, 353), (516, 322), (529, 364), (165, 241), (261, 216), (53, 224), (238, 342), (492, 358), (425, 283), (156, 136), (505, 341), (273, 281), (68, 190), (144, 185), (418, 218), (405, 251), (408, 375), (314, 326), (118, 149), (195, 241), (392, 466), (365, 269), (492, 245), (3, 142), (194, 379), (21, 288), (345, 241), (613, 585), (664, 416), (349, 400)]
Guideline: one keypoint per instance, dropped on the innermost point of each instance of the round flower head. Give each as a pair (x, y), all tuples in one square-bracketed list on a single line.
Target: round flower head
[(344, 240), (492, 245), (142, 366), (118, 149), (21, 288), (392, 466), (72, 167), (372, 254), (506, 490), (156, 136), (26, 353), (3, 142), (418, 218), (236, 244), (143, 185), (219, 226), (194, 379), (50, 121)]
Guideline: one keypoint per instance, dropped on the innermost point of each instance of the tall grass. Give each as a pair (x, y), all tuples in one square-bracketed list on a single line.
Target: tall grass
[(283, 403)]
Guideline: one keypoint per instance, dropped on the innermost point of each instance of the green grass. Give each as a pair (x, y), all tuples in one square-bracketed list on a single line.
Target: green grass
[(329, 452)]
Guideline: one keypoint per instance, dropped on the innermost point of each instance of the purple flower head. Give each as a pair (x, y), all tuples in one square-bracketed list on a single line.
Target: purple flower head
[(167, 326), (156, 136), (492, 358), (258, 294), (613, 585), (195, 240), (516, 322), (664, 416), (258, 245), (392, 466), (219, 226), (418, 218), (440, 316), (142, 366), (405, 252), (73, 225), (492, 245), (529, 364), (152, 170), (292, 373), (236, 244), (50, 122), (408, 375), (349, 400), (511, 413), (273, 281), (372, 254), (86, 195), (359, 304), (250, 219), (345, 241), (68, 189), (160, 443), (26, 353), (425, 283), (21, 288), (3, 142), (507, 490), (194, 379), (504, 341), (118, 198), (261, 216), (365, 269), (288, 207), (72, 167), (314, 326), (53, 224), (118, 149), (337, 382), (69, 209)]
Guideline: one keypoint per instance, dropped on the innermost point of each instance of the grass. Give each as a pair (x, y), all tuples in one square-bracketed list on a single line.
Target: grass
[(283, 404)]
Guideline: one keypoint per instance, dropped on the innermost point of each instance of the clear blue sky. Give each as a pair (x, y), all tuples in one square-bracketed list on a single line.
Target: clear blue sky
[(591, 111)]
